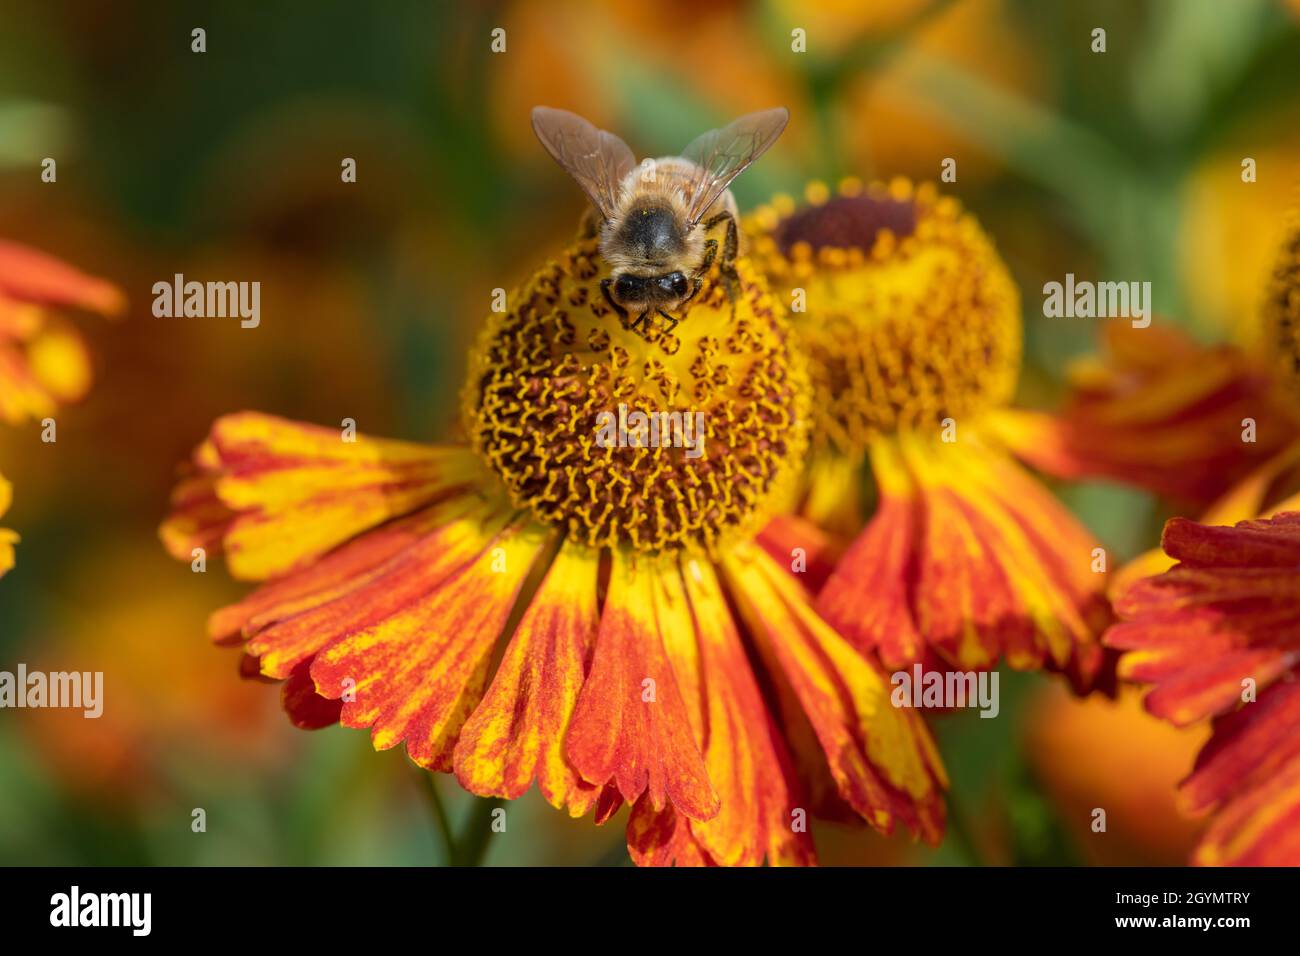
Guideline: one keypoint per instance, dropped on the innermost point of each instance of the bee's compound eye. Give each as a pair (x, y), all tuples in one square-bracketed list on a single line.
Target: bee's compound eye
[(677, 283), (627, 287)]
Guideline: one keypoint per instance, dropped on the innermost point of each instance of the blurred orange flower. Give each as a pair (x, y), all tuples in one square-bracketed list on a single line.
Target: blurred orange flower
[(43, 361), (1094, 752)]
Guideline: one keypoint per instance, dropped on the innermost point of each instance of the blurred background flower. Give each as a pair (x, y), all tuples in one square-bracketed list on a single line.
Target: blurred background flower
[(225, 165)]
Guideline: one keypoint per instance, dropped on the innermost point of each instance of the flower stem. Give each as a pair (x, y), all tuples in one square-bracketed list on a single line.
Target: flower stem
[(472, 846), (430, 786)]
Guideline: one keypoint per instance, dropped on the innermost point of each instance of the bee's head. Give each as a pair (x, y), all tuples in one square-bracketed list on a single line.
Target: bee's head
[(640, 293)]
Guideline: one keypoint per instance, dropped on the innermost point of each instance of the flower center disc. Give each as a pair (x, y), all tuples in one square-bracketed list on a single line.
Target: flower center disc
[(1282, 312), (556, 384), (910, 317)]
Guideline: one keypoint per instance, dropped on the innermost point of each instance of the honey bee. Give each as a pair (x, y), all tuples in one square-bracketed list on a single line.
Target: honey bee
[(650, 217)]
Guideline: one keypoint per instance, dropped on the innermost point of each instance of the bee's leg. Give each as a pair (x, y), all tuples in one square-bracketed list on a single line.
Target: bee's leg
[(590, 223), (710, 253), (731, 245), (696, 284), (729, 282), (639, 319), (730, 248), (669, 330), (618, 309)]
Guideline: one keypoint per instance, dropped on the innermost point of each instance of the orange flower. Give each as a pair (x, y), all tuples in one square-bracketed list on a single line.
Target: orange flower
[(1219, 636), (541, 605), (1159, 411), (43, 361), (912, 326)]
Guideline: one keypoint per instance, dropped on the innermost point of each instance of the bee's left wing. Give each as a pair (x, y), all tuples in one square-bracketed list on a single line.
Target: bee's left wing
[(722, 155), (596, 158)]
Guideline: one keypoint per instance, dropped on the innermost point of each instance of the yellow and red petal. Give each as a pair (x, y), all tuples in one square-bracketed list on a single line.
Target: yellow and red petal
[(197, 518), (881, 757), (968, 558), (1230, 610), (296, 491), (1251, 745), (1219, 636), (516, 733), (416, 672), (868, 598), (663, 837), (359, 585), (631, 726), (808, 549), (1261, 827), (760, 801), (1161, 412), (307, 709)]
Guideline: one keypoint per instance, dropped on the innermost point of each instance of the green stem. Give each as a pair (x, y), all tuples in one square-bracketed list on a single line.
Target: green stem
[(472, 846), (430, 787), (960, 836)]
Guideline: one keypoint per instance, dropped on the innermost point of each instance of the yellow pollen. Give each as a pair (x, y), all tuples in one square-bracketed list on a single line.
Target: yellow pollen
[(909, 318), (725, 404)]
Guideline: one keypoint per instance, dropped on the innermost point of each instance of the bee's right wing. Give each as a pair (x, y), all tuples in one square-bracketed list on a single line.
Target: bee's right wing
[(723, 154), (597, 159)]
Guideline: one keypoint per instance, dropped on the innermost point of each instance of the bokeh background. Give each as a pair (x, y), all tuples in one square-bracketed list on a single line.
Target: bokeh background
[(226, 165)]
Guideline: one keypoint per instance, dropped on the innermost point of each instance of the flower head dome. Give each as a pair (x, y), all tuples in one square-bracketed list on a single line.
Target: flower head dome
[(1281, 312), (912, 327), (571, 598), (545, 371), (911, 318)]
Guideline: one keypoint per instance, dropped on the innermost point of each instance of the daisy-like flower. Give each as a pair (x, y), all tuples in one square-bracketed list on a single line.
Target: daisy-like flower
[(549, 603), (913, 330), (1219, 636), (7, 538), (43, 360)]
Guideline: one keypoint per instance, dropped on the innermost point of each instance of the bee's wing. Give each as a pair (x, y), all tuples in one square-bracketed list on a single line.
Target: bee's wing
[(722, 154), (597, 159)]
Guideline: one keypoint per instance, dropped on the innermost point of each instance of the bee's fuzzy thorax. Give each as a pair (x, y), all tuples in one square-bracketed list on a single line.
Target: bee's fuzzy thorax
[(662, 183)]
